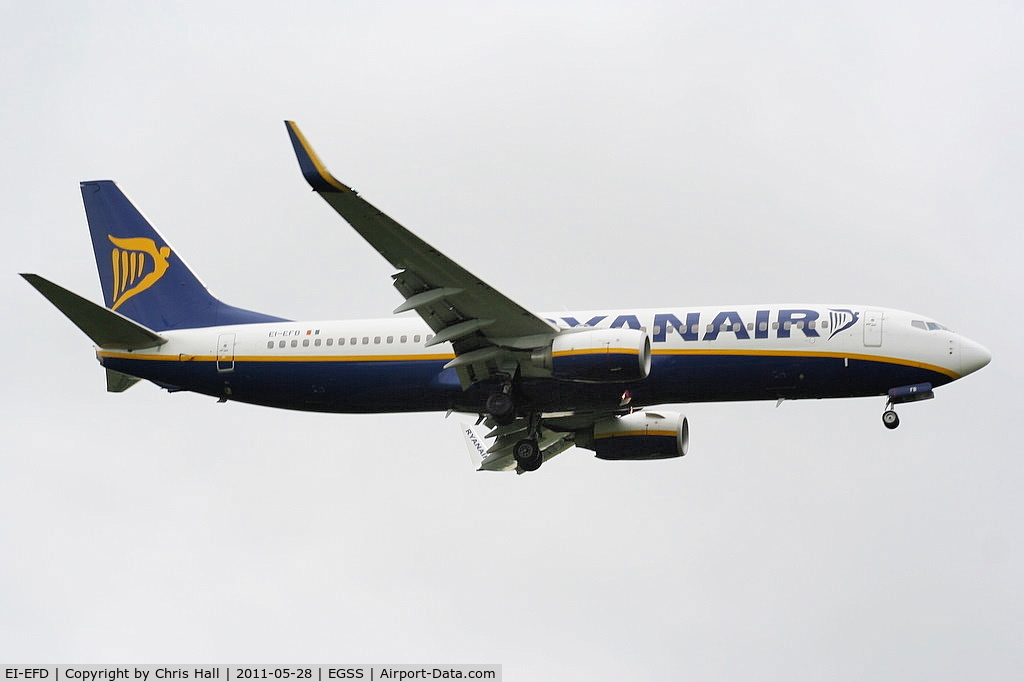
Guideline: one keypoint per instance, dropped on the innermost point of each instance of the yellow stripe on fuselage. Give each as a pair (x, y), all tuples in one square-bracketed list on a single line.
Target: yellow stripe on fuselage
[(448, 356), (273, 358)]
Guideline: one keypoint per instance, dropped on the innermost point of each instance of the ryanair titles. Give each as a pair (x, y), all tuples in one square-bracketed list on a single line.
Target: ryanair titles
[(702, 326)]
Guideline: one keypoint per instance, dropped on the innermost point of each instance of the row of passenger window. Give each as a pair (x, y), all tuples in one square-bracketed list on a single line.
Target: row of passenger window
[(694, 329), (351, 341)]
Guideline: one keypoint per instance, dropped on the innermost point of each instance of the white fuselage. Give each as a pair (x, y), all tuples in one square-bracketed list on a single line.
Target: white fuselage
[(713, 353)]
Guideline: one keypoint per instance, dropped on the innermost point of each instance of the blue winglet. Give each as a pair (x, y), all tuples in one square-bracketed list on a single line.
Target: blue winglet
[(312, 168)]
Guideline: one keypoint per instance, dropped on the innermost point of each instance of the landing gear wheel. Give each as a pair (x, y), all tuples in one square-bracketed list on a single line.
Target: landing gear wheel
[(501, 408), (890, 419), (528, 455)]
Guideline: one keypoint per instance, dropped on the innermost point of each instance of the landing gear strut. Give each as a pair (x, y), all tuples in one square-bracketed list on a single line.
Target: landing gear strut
[(501, 408), (527, 451)]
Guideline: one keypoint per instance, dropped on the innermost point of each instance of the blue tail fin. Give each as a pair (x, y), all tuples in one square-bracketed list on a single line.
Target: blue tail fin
[(142, 277)]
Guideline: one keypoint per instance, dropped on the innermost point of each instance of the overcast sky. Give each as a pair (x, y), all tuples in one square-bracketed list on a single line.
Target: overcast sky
[(576, 156)]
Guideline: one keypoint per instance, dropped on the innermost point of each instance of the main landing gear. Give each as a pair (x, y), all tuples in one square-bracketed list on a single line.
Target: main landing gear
[(528, 455), (502, 411), (501, 408)]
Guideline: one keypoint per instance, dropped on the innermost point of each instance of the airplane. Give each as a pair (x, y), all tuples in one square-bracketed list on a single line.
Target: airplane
[(541, 383)]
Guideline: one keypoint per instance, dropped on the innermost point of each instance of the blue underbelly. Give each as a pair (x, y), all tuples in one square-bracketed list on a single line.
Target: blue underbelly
[(424, 385)]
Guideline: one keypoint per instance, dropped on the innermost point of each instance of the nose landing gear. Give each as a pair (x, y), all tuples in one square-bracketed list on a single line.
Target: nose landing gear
[(904, 394)]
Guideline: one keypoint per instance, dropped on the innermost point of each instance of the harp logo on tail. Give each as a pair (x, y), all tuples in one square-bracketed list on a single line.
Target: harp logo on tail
[(138, 263)]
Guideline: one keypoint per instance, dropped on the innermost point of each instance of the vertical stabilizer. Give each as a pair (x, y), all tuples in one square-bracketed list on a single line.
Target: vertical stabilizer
[(142, 277)]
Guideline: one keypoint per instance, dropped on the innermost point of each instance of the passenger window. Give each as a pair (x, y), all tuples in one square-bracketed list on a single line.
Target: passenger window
[(353, 340), (376, 339), (416, 339), (391, 339), (403, 339), (316, 342), (305, 343), (295, 343), (763, 326), (429, 337), (330, 342), (280, 344), (366, 340)]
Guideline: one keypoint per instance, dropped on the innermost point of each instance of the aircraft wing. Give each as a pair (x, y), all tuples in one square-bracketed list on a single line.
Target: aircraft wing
[(484, 326)]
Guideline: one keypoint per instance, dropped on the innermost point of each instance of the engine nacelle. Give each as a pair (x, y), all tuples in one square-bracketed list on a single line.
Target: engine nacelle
[(598, 355), (642, 435)]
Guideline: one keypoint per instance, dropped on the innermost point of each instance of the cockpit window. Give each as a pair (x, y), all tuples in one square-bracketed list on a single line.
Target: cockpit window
[(928, 326)]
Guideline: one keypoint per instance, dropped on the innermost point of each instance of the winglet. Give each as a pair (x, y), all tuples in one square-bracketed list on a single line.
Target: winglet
[(313, 169)]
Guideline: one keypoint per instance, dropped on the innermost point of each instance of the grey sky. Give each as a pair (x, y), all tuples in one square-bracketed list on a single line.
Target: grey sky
[(588, 155)]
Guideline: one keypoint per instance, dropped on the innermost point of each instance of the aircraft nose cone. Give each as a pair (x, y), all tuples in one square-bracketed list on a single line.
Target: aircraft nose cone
[(973, 356)]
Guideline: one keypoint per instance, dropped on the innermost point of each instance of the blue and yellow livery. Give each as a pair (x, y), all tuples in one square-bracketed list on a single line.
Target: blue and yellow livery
[(540, 383)]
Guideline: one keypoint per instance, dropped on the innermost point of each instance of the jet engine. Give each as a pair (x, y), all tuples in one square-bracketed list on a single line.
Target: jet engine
[(640, 435), (597, 355)]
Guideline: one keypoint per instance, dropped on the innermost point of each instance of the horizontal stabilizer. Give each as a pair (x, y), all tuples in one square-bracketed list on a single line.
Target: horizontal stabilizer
[(106, 328), (118, 382)]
